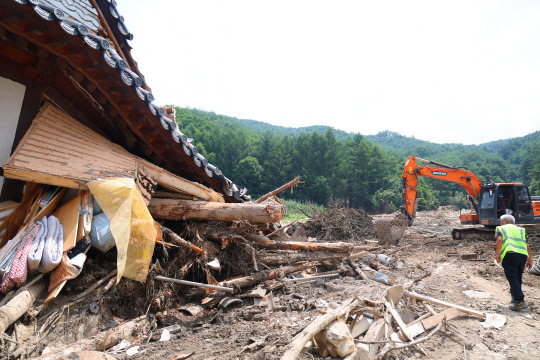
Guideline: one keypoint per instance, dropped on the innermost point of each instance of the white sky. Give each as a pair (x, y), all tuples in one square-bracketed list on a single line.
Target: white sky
[(443, 71)]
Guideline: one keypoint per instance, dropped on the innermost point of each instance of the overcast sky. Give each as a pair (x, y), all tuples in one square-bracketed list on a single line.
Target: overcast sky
[(443, 71)]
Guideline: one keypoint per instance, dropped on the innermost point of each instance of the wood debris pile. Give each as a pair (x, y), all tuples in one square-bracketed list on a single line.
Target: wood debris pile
[(367, 330), (340, 224)]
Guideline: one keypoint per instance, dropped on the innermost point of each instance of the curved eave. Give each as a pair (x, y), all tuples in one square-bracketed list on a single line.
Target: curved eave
[(119, 30), (91, 61), (110, 8)]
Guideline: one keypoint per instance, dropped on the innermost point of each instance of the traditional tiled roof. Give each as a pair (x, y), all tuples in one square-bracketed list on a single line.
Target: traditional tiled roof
[(211, 175), (120, 25)]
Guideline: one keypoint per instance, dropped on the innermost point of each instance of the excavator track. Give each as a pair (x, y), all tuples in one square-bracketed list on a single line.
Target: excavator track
[(483, 233), (488, 234)]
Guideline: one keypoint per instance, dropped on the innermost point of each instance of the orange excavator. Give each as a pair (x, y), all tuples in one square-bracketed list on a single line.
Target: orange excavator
[(488, 201)]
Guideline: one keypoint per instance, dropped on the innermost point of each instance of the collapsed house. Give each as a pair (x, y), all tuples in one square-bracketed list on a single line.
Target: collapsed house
[(75, 108), (82, 139), (75, 55), (89, 160)]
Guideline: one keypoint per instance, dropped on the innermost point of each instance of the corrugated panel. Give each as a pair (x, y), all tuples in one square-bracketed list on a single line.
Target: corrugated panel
[(58, 146)]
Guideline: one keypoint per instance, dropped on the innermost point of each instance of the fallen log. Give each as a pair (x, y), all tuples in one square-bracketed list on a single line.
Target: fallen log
[(177, 209), (261, 276), (276, 259), (299, 245), (316, 326), (19, 305)]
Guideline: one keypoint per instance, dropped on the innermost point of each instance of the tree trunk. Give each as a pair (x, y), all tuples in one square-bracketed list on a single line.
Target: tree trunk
[(276, 259), (176, 209), (299, 245), (19, 305)]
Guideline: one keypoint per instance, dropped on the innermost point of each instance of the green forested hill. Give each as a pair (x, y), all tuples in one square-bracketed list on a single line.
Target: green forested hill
[(261, 127), (356, 170)]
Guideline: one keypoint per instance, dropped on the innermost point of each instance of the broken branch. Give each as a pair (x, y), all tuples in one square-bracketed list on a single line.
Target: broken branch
[(177, 239), (293, 182)]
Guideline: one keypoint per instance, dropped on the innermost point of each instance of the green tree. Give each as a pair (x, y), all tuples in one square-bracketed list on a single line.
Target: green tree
[(249, 173)]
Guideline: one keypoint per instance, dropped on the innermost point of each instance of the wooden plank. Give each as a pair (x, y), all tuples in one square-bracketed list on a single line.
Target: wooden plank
[(68, 215), (6, 211), (375, 333), (8, 205), (13, 173), (415, 329), (469, 311), (178, 184), (174, 195), (434, 320), (51, 206)]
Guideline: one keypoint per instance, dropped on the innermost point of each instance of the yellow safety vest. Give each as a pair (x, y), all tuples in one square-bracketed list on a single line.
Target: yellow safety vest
[(513, 240)]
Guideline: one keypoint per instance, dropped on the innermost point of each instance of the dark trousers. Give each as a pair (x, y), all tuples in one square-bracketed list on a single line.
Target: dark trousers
[(514, 265)]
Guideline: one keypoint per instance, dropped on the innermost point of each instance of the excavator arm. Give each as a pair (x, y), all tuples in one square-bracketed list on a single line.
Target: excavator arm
[(412, 170)]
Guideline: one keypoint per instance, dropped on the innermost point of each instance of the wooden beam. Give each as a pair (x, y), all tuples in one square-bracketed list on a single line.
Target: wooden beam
[(176, 183), (174, 195)]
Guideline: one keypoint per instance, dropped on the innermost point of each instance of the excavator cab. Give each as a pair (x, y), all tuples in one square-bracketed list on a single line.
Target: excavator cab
[(505, 198)]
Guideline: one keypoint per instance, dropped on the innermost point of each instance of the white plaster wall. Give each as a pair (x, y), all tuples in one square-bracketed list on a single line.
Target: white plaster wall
[(11, 98)]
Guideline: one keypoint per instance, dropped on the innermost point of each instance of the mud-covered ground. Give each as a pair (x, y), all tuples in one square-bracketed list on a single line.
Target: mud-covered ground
[(247, 331), (434, 253)]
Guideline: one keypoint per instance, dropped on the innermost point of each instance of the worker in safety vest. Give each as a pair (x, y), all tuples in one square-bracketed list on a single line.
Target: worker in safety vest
[(514, 254)]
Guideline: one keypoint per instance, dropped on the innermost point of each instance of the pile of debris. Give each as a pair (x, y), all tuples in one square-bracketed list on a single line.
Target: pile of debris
[(367, 330), (210, 267), (215, 260), (340, 224)]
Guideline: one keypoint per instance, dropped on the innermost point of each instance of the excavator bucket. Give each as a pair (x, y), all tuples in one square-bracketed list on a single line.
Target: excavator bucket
[(389, 231)]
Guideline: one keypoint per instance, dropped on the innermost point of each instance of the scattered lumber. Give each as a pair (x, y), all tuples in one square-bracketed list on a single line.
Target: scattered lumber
[(191, 283), (316, 326), (385, 350), (178, 209)]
